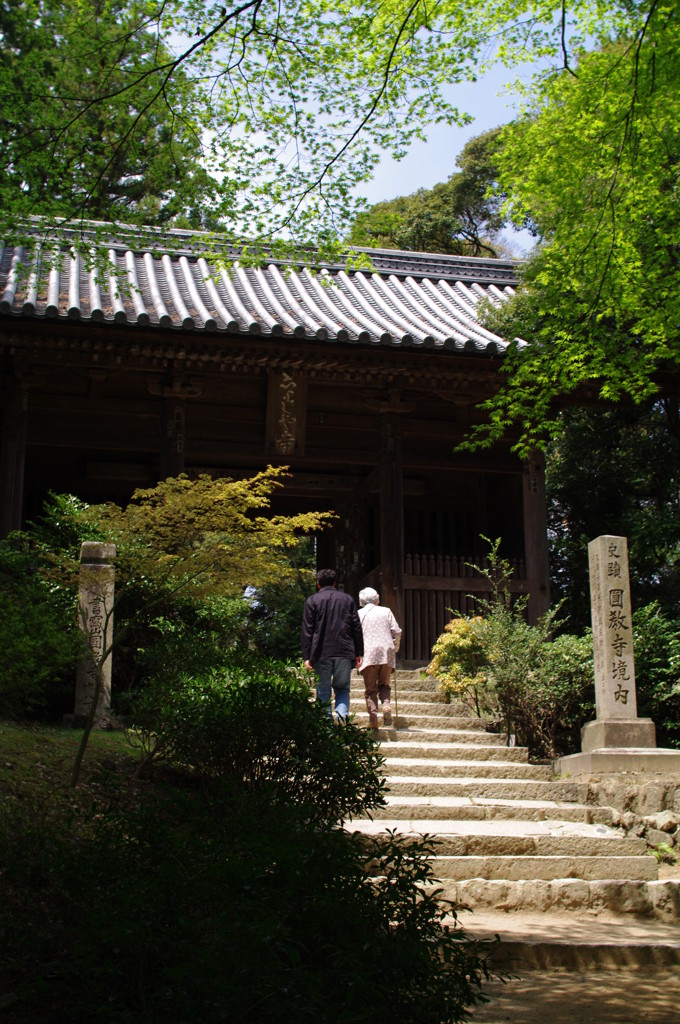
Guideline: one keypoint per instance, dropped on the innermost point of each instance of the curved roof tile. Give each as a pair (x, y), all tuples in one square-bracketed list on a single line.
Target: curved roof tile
[(408, 299)]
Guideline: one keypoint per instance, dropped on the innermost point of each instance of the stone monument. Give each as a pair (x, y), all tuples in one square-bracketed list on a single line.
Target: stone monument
[(95, 619), (617, 740)]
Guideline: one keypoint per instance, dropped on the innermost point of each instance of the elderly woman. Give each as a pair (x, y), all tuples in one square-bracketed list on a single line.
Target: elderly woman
[(382, 636)]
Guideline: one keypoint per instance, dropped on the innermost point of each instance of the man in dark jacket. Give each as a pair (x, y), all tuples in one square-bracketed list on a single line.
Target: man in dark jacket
[(332, 641)]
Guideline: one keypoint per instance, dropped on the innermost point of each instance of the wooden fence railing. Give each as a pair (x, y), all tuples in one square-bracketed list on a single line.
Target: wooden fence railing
[(437, 586)]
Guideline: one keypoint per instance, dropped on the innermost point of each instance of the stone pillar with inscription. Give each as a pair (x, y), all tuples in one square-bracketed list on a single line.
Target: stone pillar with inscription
[(95, 619), (617, 723), (617, 740)]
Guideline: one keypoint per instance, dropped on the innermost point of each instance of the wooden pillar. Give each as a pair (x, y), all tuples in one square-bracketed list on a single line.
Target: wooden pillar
[(536, 537), (12, 457), (392, 517), (173, 430), (352, 539)]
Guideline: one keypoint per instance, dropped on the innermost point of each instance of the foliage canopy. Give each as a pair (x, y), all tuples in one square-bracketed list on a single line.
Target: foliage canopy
[(593, 164), (460, 216), (615, 471), (289, 105), (86, 128)]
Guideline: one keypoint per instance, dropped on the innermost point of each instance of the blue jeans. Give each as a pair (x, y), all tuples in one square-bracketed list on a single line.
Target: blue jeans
[(334, 672)]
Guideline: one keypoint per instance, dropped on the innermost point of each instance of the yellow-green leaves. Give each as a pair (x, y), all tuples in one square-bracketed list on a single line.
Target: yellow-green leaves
[(595, 166), (206, 536)]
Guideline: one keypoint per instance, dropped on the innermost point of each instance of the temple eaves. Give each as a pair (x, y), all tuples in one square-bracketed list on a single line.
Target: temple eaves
[(407, 299)]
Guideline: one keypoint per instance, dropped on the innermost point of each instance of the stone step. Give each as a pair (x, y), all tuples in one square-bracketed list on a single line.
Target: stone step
[(522, 835), (574, 942), (474, 786), (452, 808), (412, 683), (404, 745), (443, 714), (429, 702), (418, 706), (606, 845), (546, 867), (417, 674), (409, 720), (409, 684), (656, 898), (451, 768), (471, 737)]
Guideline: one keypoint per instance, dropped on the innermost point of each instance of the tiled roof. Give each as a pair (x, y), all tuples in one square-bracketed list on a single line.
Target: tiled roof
[(408, 299)]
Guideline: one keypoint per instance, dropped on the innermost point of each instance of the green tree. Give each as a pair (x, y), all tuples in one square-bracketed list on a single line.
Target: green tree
[(461, 216), (182, 539), (297, 100), (84, 128), (657, 671), (38, 633), (616, 470), (594, 164)]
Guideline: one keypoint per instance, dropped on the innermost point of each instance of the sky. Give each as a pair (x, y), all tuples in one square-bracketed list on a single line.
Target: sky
[(428, 163)]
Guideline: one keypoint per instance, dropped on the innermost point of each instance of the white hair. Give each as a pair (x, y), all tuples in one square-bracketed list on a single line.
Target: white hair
[(368, 596)]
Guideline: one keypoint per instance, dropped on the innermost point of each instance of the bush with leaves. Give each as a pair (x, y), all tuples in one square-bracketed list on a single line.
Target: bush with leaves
[(39, 640), (536, 687), (459, 664), (171, 637), (183, 548), (657, 671), (164, 911), (275, 611), (561, 697), (254, 727)]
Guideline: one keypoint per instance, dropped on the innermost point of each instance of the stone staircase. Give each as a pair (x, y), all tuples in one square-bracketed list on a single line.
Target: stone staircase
[(513, 843)]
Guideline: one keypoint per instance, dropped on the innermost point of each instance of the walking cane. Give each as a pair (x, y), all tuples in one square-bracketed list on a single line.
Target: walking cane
[(396, 705)]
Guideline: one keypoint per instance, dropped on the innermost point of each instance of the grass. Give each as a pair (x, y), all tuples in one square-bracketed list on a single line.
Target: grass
[(36, 762)]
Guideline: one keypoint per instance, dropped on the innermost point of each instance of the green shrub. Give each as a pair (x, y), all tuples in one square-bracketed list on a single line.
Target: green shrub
[(161, 630), (39, 638), (162, 640), (459, 663), (275, 611), (536, 687), (657, 671), (254, 727), (557, 698), (164, 912)]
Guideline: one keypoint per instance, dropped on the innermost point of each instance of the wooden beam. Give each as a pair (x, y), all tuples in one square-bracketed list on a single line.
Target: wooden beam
[(392, 517), (536, 537), (466, 584), (12, 456)]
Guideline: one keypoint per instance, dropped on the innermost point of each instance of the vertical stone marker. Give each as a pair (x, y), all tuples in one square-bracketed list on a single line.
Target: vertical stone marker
[(612, 618), (617, 740), (95, 619)]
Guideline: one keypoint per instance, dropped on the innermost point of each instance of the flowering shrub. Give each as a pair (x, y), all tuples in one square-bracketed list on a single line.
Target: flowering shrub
[(459, 663)]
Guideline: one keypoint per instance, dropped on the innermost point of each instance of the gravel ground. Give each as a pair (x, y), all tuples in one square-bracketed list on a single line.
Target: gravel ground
[(649, 996)]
